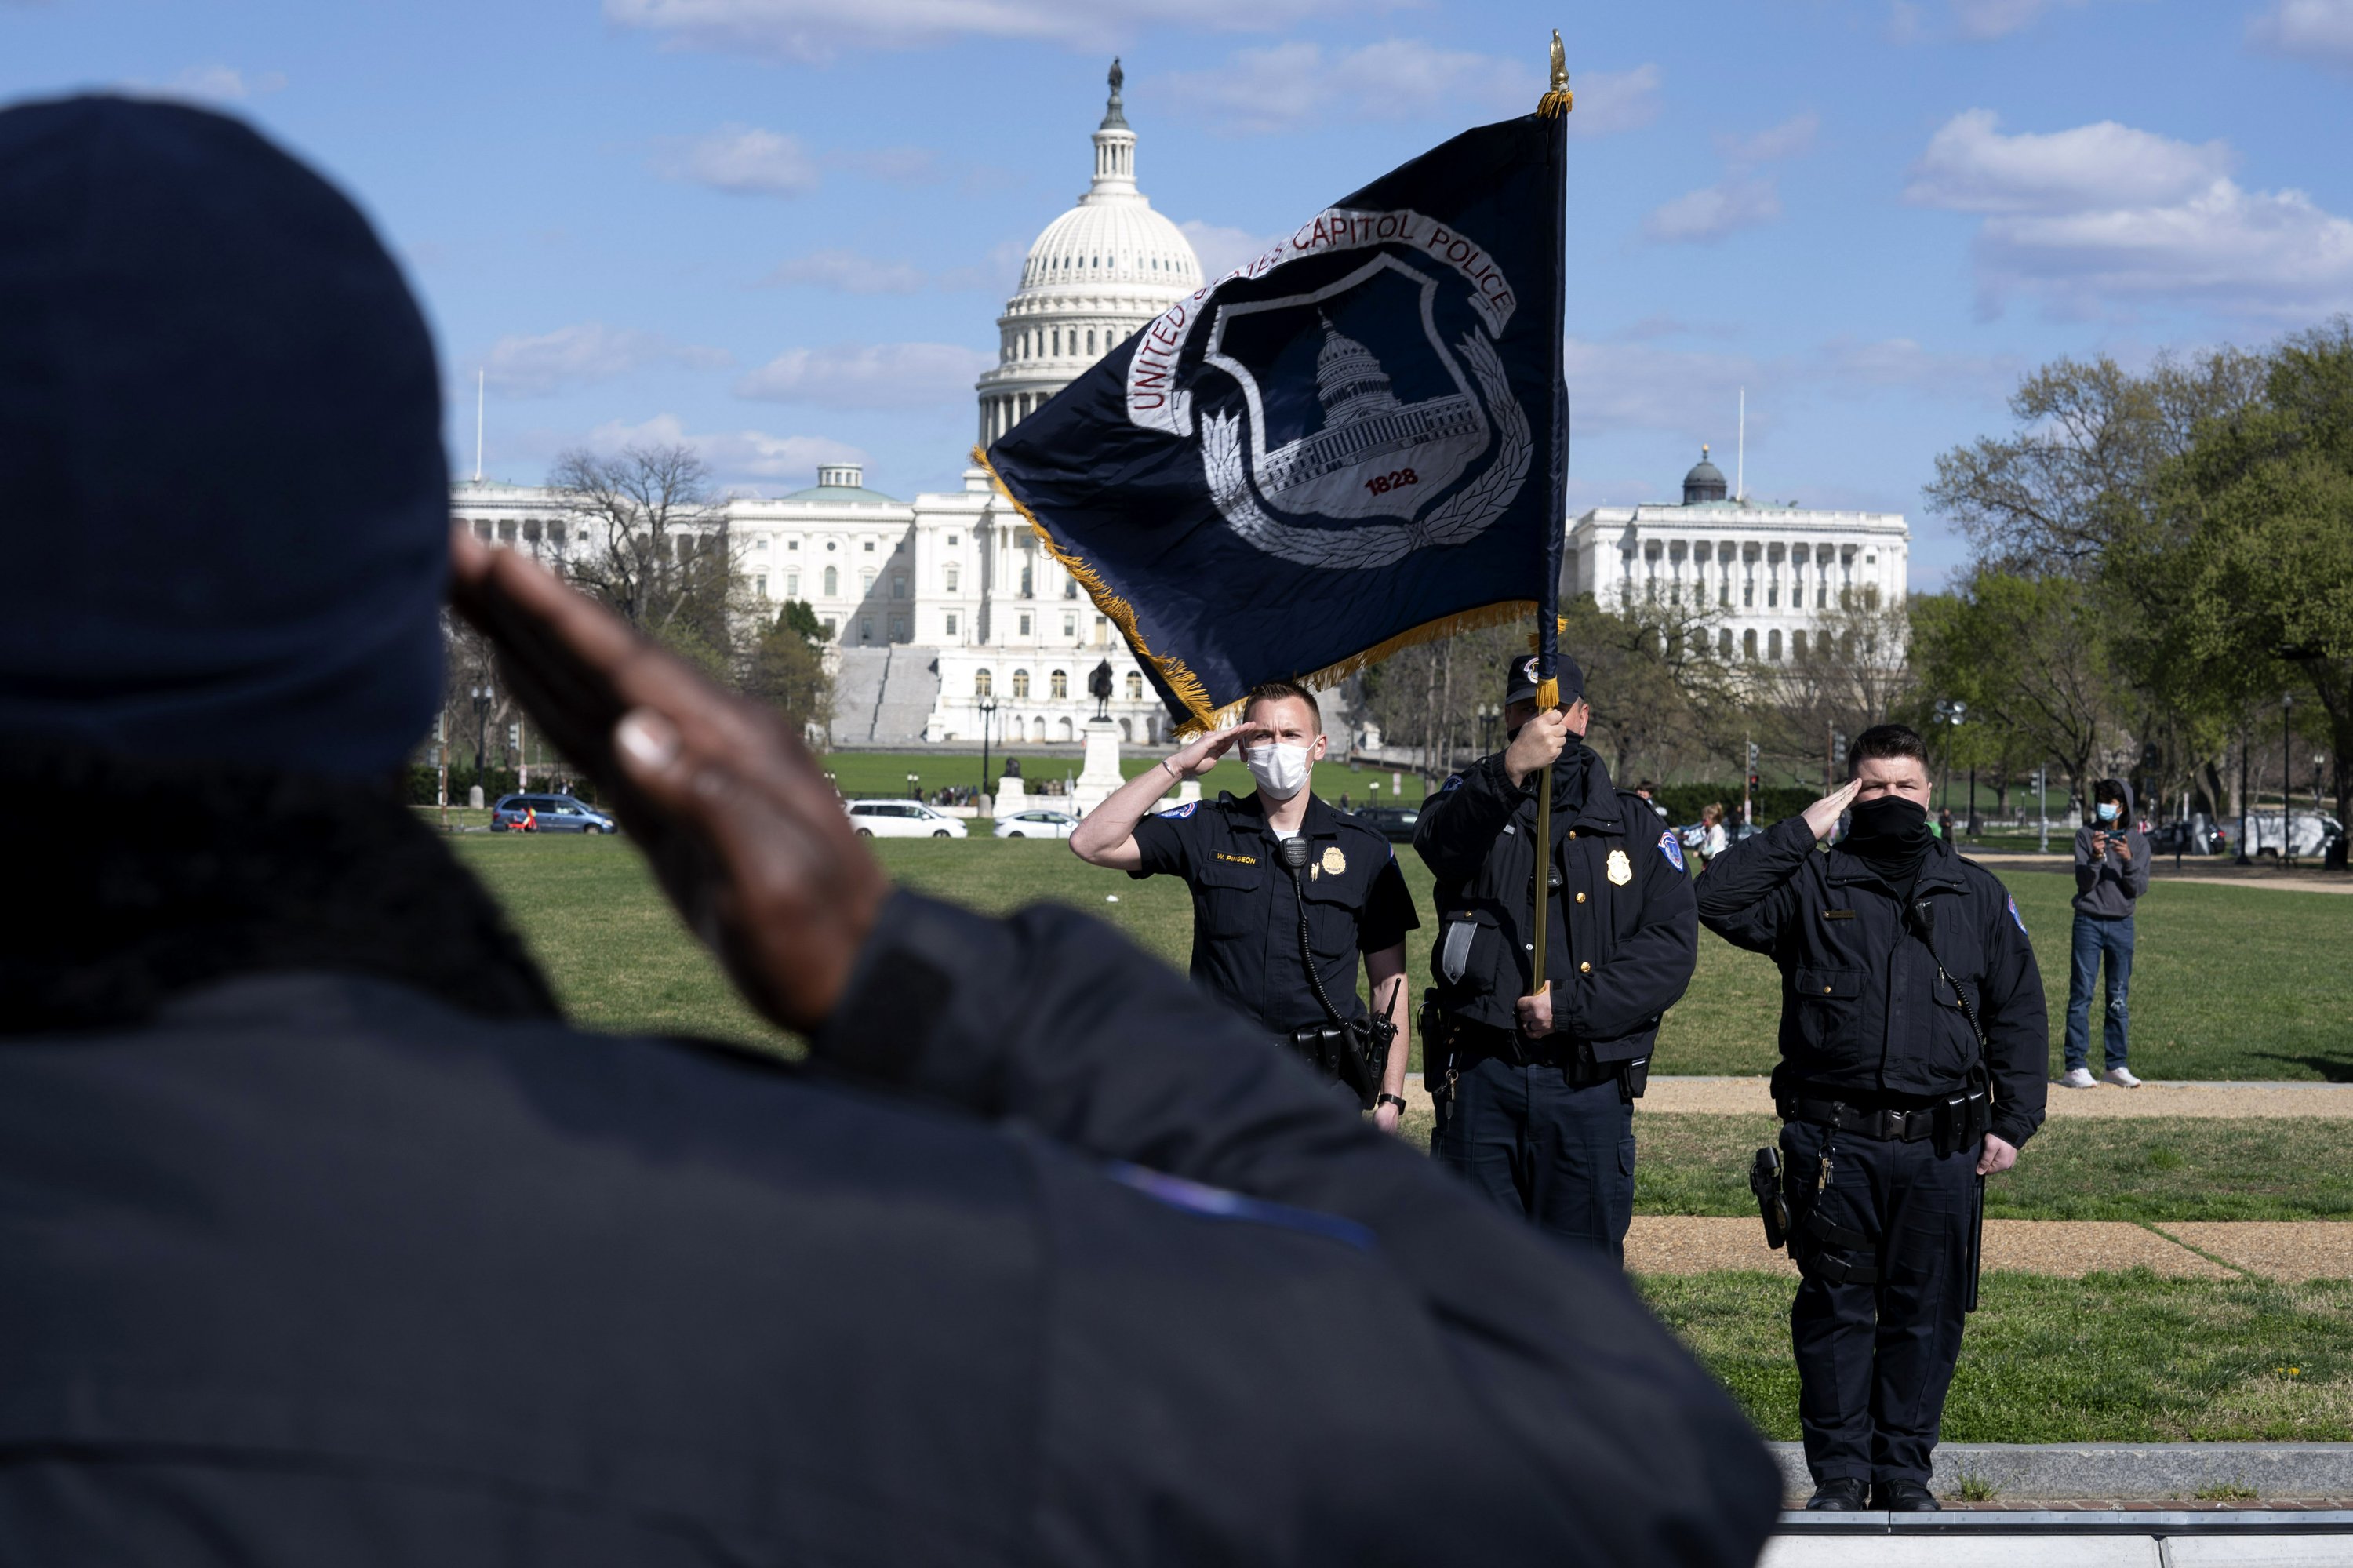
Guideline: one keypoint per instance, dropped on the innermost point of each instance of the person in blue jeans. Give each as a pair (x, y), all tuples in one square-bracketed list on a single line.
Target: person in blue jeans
[(2111, 873)]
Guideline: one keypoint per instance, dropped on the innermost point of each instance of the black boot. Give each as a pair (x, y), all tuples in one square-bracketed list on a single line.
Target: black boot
[(1840, 1494), (1905, 1497)]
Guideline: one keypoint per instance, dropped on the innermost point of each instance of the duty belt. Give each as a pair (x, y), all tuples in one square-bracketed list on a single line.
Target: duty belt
[(1886, 1126), (1472, 1040)]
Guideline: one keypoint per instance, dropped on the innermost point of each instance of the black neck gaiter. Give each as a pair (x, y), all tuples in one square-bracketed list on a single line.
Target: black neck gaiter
[(1890, 835)]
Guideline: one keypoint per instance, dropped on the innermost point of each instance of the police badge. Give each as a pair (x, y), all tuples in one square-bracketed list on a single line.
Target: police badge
[(1621, 870)]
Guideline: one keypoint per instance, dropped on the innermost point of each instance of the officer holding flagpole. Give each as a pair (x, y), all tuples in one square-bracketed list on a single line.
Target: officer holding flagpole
[(1550, 970)]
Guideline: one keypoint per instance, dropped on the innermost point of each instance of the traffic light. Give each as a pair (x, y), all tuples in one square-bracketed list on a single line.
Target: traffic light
[(1752, 783), (1752, 757)]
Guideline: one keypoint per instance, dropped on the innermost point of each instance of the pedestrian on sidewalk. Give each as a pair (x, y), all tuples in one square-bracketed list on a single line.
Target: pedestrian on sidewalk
[(1913, 1049), (2111, 873), (1714, 841)]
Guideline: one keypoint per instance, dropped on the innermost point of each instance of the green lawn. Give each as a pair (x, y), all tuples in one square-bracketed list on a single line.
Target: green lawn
[(2156, 1169), (2109, 1358), (2230, 982)]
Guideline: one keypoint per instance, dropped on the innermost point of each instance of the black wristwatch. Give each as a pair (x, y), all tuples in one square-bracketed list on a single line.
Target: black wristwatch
[(1387, 1099)]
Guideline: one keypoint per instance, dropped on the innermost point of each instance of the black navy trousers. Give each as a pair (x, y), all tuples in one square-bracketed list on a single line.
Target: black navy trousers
[(1562, 1157), (1874, 1359)]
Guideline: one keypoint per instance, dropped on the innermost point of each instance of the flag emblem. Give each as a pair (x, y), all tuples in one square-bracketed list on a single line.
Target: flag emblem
[(1397, 416)]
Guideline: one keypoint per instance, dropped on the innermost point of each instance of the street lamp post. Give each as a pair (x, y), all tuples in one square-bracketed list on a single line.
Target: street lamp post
[(482, 695), (987, 712), (1951, 715), (1488, 714), (2042, 805), (2287, 779)]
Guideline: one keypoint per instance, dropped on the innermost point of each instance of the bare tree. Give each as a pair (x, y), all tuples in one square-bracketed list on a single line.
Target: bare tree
[(654, 544), (2083, 462)]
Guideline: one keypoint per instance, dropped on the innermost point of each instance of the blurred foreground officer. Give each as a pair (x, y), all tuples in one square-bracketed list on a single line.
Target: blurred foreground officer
[(1535, 1094), (1277, 875), (1913, 1054), (324, 1240)]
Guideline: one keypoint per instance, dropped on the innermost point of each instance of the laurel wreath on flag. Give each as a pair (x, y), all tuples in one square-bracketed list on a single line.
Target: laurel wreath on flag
[(1463, 517)]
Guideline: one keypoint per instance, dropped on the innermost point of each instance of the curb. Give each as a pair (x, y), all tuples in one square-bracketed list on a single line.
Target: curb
[(2057, 1471)]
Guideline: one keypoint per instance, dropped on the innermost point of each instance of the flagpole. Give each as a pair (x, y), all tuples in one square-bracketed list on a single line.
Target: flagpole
[(1555, 107)]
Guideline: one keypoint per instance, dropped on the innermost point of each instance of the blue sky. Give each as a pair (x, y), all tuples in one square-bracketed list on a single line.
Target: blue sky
[(782, 229)]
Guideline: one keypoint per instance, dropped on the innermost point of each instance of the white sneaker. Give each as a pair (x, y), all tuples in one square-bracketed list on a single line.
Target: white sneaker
[(2077, 1078), (2121, 1078)]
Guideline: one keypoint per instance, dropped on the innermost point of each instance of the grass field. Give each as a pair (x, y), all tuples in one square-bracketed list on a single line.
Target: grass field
[(2229, 983), (2108, 1358), (2078, 1169)]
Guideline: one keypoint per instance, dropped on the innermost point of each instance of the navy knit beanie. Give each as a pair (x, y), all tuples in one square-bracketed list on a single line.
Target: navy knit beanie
[(225, 503)]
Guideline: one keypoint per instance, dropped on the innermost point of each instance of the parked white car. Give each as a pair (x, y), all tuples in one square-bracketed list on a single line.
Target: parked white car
[(1036, 824), (901, 820)]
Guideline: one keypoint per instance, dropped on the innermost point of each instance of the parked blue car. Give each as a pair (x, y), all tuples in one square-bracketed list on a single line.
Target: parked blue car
[(557, 813)]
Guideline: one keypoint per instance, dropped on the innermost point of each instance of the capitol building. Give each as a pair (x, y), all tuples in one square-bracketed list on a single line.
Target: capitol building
[(937, 604)]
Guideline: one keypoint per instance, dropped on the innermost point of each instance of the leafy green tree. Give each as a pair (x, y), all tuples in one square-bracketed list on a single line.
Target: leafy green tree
[(2261, 508), (2031, 658), (786, 670)]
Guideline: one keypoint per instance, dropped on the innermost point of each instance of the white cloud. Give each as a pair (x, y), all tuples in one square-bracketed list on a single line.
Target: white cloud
[(999, 272), (212, 84), (2103, 215), (1792, 138), (1705, 215), (1743, 198), (1221, 249), (1988, 19), (1288, 85), (2320, 30), (817, 30), (591, 351), (867, 375), (1643, 386), (734, 456), (744, 160), (1608, 102), (846, 271), (893, 165), (1857, 367), (2261, 253), (1970, 166)]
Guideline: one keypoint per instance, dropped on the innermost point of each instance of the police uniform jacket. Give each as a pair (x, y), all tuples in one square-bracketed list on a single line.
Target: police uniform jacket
[(1044, 1260), (1622, 936), (1862, 1007), (1246, 912)]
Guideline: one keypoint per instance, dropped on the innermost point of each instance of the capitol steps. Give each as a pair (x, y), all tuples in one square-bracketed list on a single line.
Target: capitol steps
[(857, 693), (910, 689)]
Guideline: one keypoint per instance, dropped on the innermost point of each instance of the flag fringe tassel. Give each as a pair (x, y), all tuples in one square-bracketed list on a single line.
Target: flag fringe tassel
[(1180, 678)]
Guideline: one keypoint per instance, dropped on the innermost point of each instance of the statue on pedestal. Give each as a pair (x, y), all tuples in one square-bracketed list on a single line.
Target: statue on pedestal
[(1099, 688)]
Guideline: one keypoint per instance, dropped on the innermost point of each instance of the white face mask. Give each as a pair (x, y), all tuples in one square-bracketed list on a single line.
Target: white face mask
[(1280, 770)]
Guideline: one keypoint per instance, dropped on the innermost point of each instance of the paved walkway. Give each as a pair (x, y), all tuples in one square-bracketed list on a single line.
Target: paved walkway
[(1751, 1096), (1735, 1096), (2306, 1249)]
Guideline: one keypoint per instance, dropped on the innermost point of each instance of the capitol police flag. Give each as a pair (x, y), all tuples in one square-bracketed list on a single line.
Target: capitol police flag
[(1355, 443)]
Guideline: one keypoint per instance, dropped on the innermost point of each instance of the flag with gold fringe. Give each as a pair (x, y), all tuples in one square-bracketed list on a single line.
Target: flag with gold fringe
[(1355, 443)]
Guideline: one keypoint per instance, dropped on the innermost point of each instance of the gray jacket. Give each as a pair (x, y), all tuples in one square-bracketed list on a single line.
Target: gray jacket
[(2105, 884)]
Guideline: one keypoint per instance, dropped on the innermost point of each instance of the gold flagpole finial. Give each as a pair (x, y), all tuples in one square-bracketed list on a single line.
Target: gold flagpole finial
[(1558, 99)]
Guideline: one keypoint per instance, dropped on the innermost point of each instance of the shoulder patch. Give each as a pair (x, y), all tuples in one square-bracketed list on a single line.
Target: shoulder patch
[(1672, 847), (1453, 781), (1187, 810), (2016, 918)]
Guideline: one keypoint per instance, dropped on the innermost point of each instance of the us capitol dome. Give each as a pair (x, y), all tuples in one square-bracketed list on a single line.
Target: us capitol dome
[(1093, 276)]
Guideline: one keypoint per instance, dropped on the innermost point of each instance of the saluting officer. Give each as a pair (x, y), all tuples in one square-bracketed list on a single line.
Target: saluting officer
[(1536, 1093), (1278, 876), (1913, 1051)]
